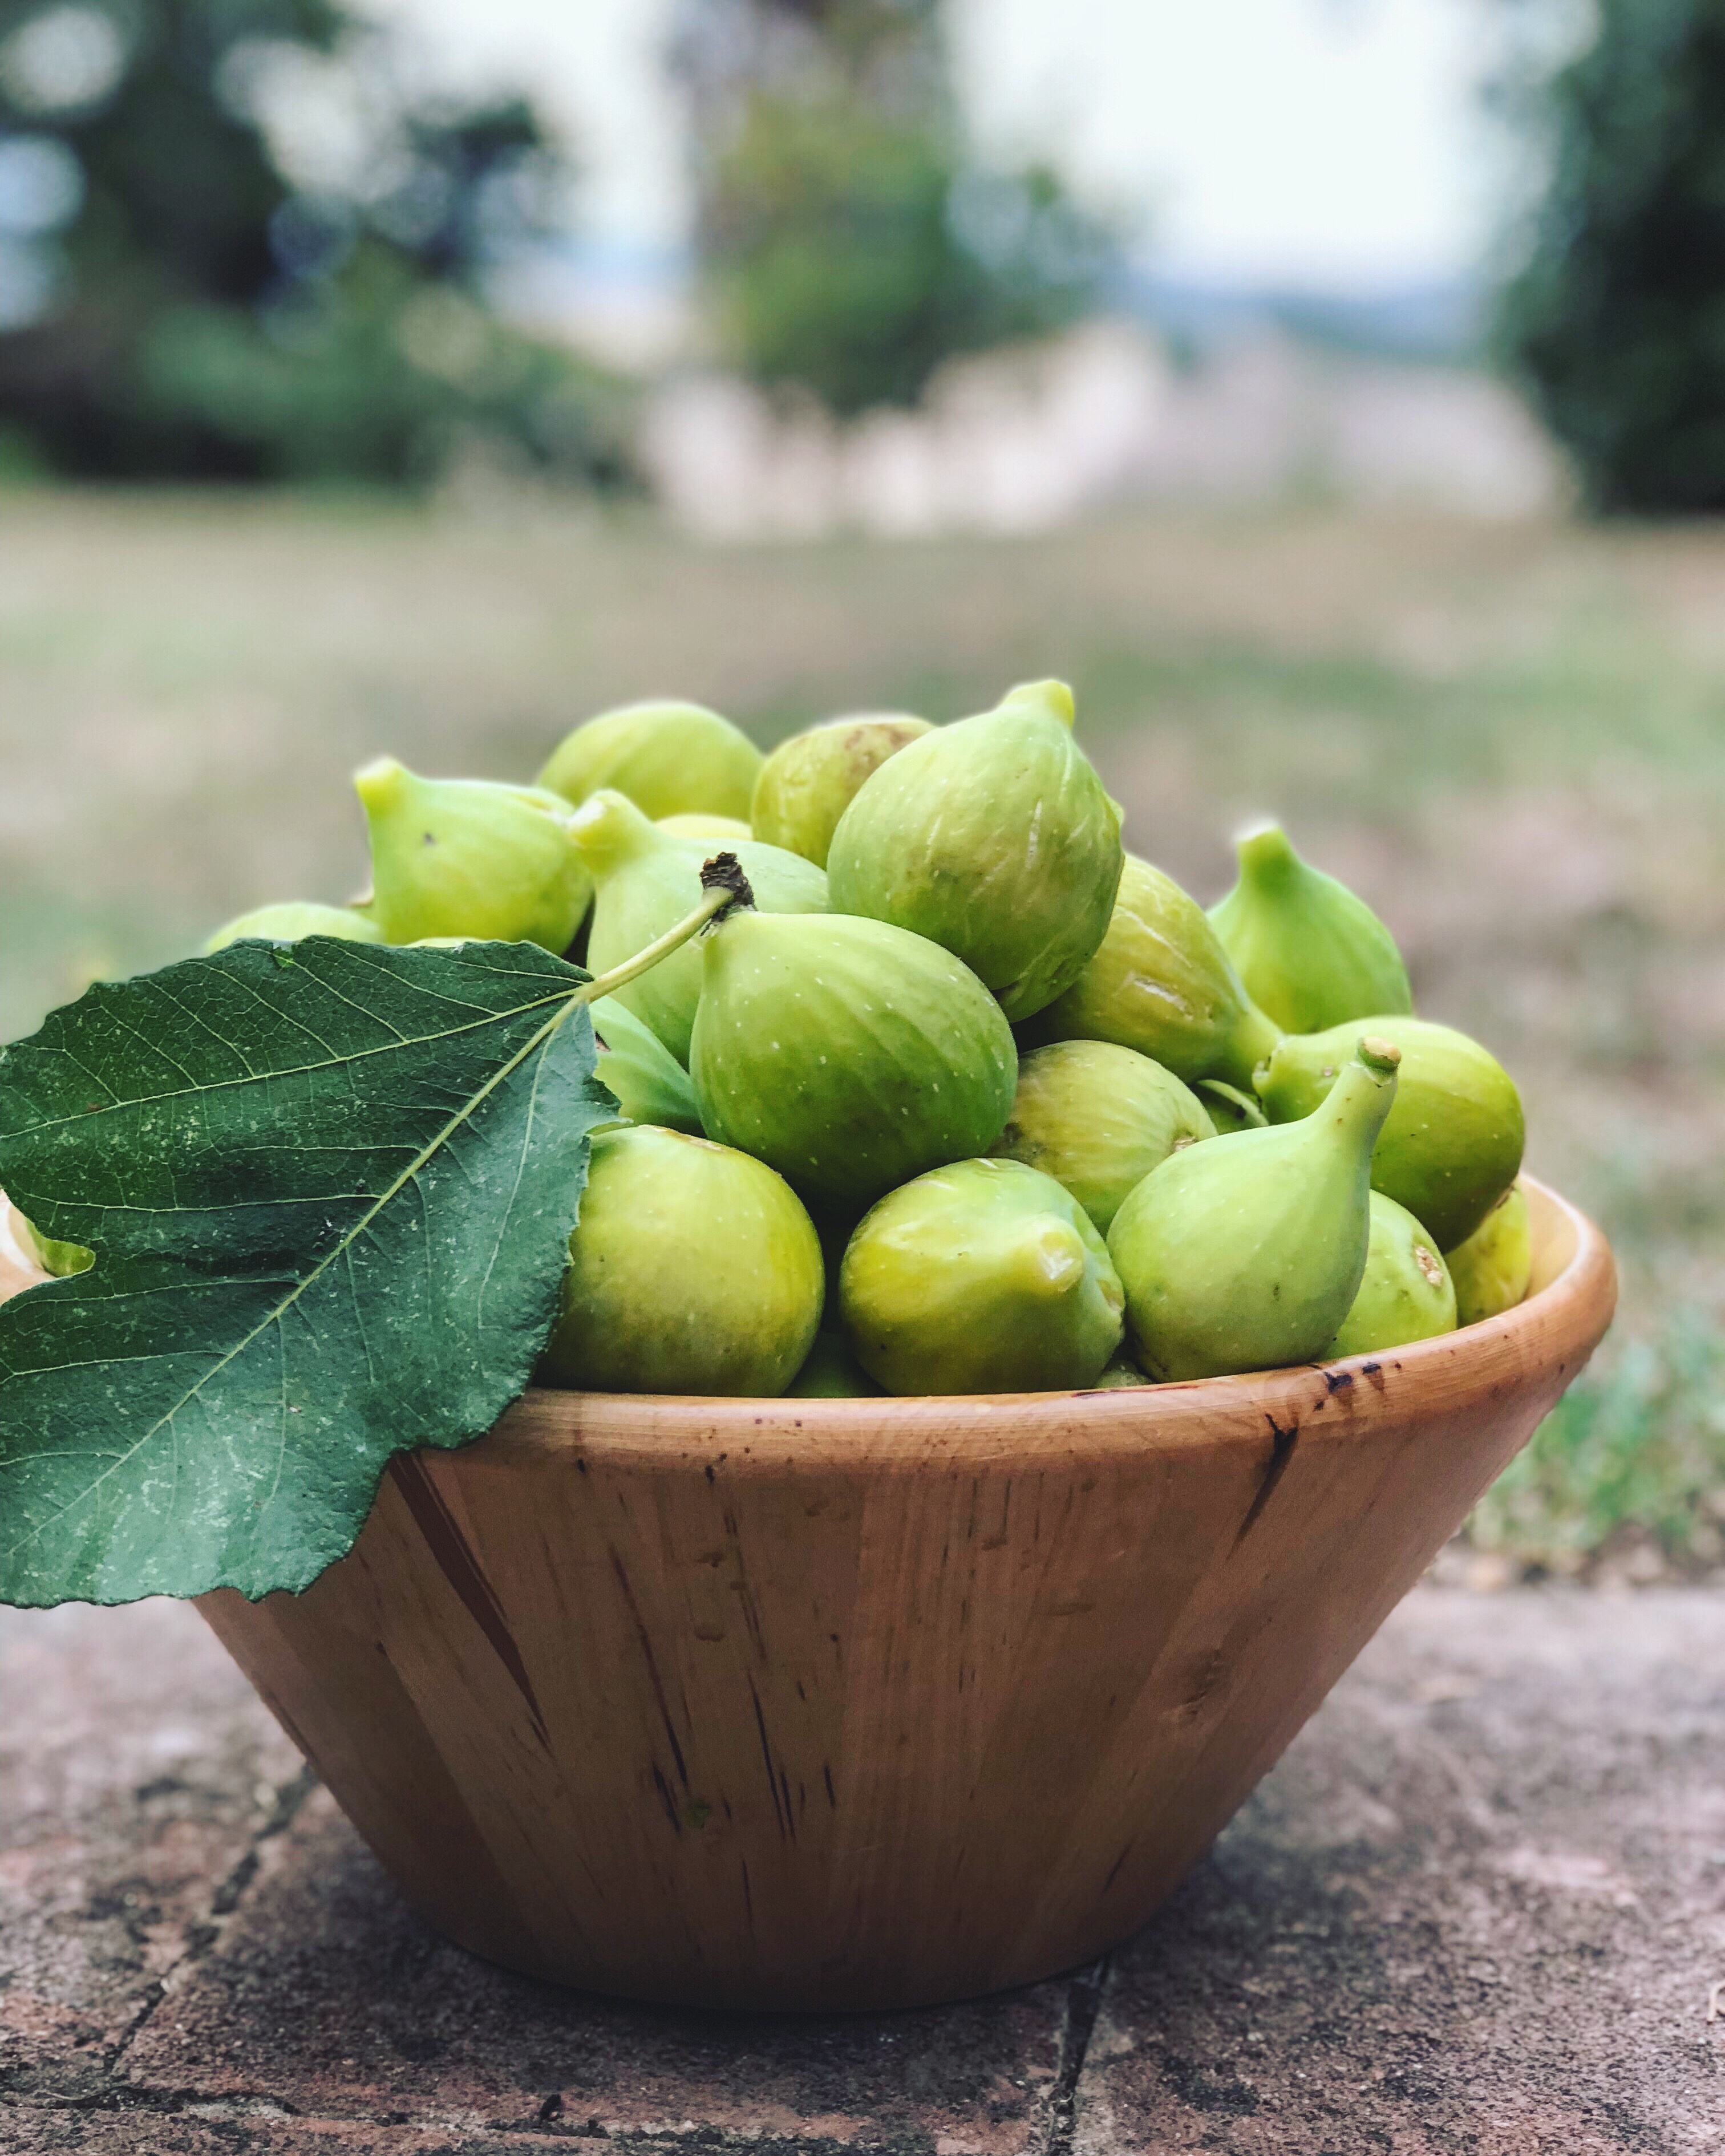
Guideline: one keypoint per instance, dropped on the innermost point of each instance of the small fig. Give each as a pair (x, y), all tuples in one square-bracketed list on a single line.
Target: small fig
[(1123, 1375), (832, 1373), (651, 1085), (288, 923), (1228, 1108), (1162, 984), (809, 781), (726, 830), (1492, 1269), (1247, 1254), (467, 858), (994, 838), (646, 880), (985, 1276), (849, 1054), (1098, 1118), (692, 1269), (1404, 1293), (1453, 1143), (670, 759)]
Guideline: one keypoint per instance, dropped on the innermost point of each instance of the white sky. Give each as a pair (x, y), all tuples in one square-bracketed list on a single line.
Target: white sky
[(1332, 142)]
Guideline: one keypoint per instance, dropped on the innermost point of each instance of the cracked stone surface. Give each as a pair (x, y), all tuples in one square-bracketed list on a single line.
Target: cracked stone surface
[(1480, 1908)]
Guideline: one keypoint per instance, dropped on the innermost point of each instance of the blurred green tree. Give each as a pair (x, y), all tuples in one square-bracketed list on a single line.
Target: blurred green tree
[(1616, 319), (174, 304), (850, 239)]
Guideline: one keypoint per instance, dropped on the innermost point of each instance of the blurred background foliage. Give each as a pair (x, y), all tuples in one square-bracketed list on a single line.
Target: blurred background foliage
[(174, 302)]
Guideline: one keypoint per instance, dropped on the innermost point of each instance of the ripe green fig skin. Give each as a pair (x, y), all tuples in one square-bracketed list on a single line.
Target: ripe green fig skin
[(994, 838), (849, 1054), (648, 1083), (832, 1373), (669, 758), (1098, 1118), (1228, 1108), (1405, 1292), (724, 830), (1123, 1375), (692, 1270), (646, 880), (1493, 1268), (1161, 982), (1247, 1254), (1309, 953), (289, 923), (984, 1276), (809, 782), (469, 859), (1453, 1143)]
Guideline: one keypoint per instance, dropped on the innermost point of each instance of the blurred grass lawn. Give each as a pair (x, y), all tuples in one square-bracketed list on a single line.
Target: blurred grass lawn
[(1510, 739)]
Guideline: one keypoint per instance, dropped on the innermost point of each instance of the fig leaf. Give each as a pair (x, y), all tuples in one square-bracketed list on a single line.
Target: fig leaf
[(328, 1187)]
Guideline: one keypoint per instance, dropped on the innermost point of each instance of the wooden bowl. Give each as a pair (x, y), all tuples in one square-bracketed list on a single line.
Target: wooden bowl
[(866, 1703)]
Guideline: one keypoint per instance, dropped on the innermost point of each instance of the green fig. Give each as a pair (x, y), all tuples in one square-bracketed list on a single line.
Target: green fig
[(726, 829), (651, 1085), (288, 923), (832, 1373), (1162, 983), (692, 1269), (670, 759), (1098, 1118), (1123, 1375), (1247, 1254), (1453, 1143), (809, 781), (1404, 1293), (645, 879), (1228, 1108), (61, 1260), (1492, 1269), (1309, 953), (469, 859), (849, 1054), (985, 1276), (994, 838)]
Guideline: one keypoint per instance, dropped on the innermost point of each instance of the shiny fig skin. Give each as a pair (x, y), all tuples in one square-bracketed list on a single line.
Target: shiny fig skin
[(1309, 953), (1247, 1254), (850, 1054), (649, 1084), (468, 858), (984, 1276), (289, 922), (808, 782), (1453, 1143), (692, 1269), (1492, 1269), (1098, 1118), (669, 758), (646, 880), (994, 838), (1162, 983), (1405, 1293)]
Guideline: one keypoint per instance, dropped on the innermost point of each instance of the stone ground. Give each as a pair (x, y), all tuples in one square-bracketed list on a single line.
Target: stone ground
[(1480, 1908)]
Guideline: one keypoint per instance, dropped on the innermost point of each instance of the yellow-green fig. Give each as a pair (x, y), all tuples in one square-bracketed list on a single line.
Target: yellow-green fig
[(1453, 1143), (1492, 1269), (832, 1373), (1228, 1108), (1246, 1255), (726, 829), (809, 781), (985, 1276), (288, 923), (670, 759), (1162, 983), (1098, 1118), (1309, 953), (1404, 1293), (994, 838), (849, 1054), (468, 858), (692, 1269), (1123, 1375), (645, 879), (649, 1085)]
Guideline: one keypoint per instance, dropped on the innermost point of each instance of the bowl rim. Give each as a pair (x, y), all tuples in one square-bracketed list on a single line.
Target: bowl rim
[(1545, 1339)]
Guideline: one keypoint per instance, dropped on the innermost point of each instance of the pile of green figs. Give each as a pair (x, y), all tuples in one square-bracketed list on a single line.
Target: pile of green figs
[(960, 1096)]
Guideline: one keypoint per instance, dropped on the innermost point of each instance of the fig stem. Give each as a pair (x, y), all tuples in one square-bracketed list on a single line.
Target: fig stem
[(714, 902)]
